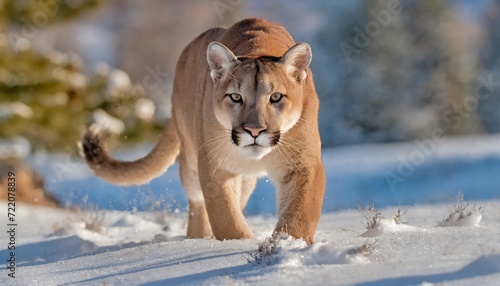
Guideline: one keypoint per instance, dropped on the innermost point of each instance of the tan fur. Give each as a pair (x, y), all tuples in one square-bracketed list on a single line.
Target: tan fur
[(212, 132)]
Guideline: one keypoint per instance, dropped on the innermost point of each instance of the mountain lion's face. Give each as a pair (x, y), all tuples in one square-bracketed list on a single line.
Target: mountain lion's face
[(257, 100)]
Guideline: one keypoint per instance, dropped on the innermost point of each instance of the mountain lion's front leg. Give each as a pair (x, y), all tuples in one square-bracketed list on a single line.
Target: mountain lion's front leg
[(222, 202), (300, 199)]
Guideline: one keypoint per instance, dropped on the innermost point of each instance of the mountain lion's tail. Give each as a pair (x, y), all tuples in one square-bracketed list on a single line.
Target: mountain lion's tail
[(141, 171)]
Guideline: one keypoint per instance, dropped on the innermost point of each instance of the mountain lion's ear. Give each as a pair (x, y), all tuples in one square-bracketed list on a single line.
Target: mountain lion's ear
[(297, 60), (219, 59)]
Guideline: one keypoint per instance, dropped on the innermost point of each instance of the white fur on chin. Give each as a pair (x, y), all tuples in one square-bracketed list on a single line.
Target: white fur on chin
[(255, 152)]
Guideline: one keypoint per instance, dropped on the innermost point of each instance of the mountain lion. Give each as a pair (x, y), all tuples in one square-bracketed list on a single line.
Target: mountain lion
[(244, 106)]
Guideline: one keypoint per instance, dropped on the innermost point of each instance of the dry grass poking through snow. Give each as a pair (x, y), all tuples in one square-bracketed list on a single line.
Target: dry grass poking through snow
[(371, 215), (266, 252), (91, 219), (461, 214), (271, 251), (365, 249), (398, 216)]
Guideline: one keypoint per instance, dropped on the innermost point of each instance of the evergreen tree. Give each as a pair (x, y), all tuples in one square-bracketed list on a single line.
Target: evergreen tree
[(46, 97), (489, 88), (402, 73)]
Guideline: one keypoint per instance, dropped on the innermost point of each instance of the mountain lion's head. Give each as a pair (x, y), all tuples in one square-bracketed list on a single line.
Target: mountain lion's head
[(257, 100)]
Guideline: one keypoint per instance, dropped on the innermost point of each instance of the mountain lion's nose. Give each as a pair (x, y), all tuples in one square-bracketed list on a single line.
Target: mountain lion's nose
[(254, 131)]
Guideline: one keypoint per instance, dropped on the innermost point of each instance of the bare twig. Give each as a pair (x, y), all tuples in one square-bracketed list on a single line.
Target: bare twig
[(371, 215)]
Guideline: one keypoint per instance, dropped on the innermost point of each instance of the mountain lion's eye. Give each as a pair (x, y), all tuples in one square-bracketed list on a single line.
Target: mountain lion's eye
[(276, 97), (236, 97)]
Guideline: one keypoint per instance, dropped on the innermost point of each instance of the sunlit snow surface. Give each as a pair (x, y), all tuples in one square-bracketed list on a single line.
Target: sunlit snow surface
[(54, 248), (146, 246)]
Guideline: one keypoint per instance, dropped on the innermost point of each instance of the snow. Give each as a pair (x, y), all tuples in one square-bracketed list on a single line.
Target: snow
[(387, 226), (17, 147), (145, 109), (436, 240), (148, 249), (107, 122), (118, 83), (9, 110), (457, 217)]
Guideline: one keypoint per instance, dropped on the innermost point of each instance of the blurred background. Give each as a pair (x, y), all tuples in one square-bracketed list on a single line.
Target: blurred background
[(385, 70)]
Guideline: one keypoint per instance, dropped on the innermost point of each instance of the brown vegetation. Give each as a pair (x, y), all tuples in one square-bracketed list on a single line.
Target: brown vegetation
[(29, 184)]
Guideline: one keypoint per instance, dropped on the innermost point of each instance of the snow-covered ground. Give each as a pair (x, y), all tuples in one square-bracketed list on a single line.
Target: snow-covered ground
[(142, 248), (434, 242)]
